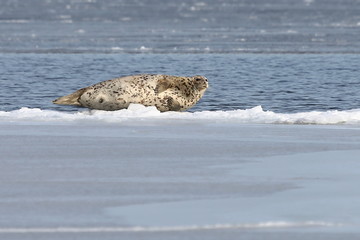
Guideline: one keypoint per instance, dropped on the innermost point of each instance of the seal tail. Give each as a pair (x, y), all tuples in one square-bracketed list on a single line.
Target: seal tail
[(71, 99)]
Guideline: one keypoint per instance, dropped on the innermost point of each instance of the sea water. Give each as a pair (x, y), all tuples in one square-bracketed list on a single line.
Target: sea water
[(189, 26), (270, 151), (319, 88), (309, 50)]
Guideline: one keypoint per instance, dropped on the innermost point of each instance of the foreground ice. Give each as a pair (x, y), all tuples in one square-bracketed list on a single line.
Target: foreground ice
[(140, 112), (141, 174)]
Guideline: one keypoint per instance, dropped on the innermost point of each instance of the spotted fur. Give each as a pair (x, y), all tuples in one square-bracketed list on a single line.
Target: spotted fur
[(167, 93)]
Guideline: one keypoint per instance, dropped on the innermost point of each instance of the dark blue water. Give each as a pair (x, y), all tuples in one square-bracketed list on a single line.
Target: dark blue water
[(286, 55), (278, 82), (186, 26)]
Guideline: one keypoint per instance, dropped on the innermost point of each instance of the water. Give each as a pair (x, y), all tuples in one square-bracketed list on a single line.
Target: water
[(280, 83), (55, 47), (188, 26), (187, 34)]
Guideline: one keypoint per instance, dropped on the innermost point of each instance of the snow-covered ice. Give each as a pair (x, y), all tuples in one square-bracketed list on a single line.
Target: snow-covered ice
[(137, 112), (213, 175)]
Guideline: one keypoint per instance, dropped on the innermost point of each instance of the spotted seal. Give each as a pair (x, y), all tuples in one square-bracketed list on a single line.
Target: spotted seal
[(167, 93)]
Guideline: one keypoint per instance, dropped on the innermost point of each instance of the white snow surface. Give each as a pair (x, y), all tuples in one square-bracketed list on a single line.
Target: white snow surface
[(141, 174), (139, 112)]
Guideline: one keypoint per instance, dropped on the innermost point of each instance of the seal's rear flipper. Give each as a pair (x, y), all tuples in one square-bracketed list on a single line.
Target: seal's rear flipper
[(173, 104), (72, 99)]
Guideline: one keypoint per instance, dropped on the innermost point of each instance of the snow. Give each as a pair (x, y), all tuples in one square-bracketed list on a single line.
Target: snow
[(202, 174), (139, 112)]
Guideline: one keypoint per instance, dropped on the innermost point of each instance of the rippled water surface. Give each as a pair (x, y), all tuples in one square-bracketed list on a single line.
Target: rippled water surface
[(186, 26), (286, 55), (280, 83)]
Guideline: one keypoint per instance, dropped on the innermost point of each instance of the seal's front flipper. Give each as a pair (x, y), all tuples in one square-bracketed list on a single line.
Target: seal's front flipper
[(162, 85)]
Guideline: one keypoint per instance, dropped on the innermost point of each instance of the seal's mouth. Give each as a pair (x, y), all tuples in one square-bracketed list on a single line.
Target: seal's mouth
[(201, 87)]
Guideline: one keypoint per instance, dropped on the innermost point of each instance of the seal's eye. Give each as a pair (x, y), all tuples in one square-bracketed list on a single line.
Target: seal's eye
[(198, 79)]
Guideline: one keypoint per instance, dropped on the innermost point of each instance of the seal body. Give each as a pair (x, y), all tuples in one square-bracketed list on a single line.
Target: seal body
[(165, 92)]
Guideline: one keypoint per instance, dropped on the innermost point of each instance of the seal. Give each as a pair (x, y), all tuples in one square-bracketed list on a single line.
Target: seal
[(165, 92)]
